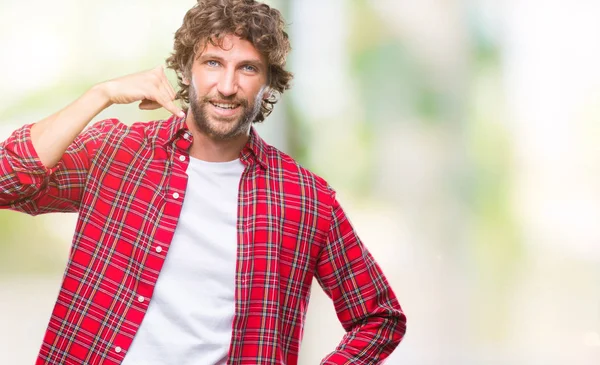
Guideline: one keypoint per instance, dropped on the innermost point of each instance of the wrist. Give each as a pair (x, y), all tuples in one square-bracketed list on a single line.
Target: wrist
[(101, 95)]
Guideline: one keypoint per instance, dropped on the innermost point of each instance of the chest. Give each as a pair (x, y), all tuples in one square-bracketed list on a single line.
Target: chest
[(135, 199)]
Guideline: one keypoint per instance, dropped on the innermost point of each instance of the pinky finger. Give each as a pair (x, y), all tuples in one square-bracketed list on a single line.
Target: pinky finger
[(170, 106)]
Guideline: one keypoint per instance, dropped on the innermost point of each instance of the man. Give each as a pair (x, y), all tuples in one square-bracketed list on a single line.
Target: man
[(196, 241)]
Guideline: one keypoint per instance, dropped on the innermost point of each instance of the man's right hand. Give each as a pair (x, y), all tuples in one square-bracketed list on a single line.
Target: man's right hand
[(53, 135), (150, 87)]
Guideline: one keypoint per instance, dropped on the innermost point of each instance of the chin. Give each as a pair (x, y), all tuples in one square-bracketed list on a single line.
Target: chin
[(224, 132), (220, 128)]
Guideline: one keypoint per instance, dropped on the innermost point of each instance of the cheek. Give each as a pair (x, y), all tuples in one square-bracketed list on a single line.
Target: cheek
[(203, 82), (253, 89)]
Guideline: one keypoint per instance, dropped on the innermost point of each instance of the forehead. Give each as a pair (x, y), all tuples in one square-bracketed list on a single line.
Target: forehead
[(231, 48)]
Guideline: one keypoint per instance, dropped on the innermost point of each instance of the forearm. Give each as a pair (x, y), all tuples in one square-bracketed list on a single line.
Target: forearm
[(371, 342), (52, 136)]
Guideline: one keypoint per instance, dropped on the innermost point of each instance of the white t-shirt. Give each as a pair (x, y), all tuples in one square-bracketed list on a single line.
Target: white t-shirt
[(190, 314)]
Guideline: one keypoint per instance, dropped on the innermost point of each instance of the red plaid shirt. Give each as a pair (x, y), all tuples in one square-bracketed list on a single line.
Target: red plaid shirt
[(128, 186)]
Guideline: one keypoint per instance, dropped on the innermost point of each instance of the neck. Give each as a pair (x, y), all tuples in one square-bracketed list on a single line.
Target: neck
[(209, 149)]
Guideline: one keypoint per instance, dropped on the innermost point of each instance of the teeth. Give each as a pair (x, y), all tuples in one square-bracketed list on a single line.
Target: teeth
[(225, 106)]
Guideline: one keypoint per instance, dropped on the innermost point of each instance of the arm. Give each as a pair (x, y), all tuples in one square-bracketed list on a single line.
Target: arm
[(52, 136), (43, 166), (365, 304), (28, 186)]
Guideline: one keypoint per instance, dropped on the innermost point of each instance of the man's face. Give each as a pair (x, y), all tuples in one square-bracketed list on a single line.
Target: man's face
[(227, 86)]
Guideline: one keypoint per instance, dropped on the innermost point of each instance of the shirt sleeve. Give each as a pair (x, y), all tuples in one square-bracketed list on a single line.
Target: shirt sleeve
[(28, 186), (365, 303)]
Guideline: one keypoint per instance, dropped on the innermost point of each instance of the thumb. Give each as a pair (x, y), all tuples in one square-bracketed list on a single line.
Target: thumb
[(149, 105)]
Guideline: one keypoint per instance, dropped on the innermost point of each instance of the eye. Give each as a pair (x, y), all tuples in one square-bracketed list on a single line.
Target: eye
[(212, 63), (250, 68)]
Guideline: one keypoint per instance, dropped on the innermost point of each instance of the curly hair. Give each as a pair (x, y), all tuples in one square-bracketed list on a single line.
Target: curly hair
[(211, 20)]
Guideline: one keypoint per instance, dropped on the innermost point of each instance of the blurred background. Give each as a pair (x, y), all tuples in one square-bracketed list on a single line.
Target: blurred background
[(461, 135)]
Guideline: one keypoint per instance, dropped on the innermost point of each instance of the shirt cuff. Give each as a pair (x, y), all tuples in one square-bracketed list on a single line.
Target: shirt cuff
[(20, 147)]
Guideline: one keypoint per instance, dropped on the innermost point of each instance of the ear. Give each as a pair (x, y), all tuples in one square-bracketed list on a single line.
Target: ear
[(186, 74)]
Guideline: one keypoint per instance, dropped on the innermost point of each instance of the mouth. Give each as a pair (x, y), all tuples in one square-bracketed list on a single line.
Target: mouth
[(226, 109), (224, 106)]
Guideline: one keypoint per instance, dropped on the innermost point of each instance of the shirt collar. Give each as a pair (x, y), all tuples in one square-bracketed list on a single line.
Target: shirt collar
[(172, 130), (255, 149)]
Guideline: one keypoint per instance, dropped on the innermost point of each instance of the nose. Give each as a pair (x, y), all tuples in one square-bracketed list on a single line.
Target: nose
[(228, 85)]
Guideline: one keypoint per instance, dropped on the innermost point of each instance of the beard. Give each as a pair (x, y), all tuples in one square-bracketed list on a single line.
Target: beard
[(223, 128)]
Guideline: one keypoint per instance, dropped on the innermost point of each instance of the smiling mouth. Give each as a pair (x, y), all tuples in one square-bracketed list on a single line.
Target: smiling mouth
[(224, 106)]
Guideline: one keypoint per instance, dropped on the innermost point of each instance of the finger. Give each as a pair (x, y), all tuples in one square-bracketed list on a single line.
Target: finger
[(168, 85), (164, 81), (166, 94), (149, 105), (168, 104)]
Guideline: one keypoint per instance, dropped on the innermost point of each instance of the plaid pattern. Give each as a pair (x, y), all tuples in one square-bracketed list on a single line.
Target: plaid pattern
[(128, 185)]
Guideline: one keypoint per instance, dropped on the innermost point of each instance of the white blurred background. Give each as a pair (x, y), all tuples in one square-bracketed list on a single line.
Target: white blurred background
[(462, 137)]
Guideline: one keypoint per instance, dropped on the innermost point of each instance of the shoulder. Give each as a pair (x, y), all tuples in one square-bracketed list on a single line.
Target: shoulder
[(292, 172), (115, 130)]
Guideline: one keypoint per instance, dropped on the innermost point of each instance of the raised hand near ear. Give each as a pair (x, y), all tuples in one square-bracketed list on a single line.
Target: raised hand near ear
[(151, 88), (52, 135)]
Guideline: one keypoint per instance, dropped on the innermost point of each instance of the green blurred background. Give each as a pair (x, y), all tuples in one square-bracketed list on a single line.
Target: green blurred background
[(462, 137)]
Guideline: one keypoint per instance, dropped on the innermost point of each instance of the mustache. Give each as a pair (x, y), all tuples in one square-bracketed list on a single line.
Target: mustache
[(230, 99)]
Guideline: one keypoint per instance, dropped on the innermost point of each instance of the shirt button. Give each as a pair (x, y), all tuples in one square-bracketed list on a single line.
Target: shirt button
[(158, 249), (118, 349), (187, 136), (182, 158), (141, 299), (176, 195)]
